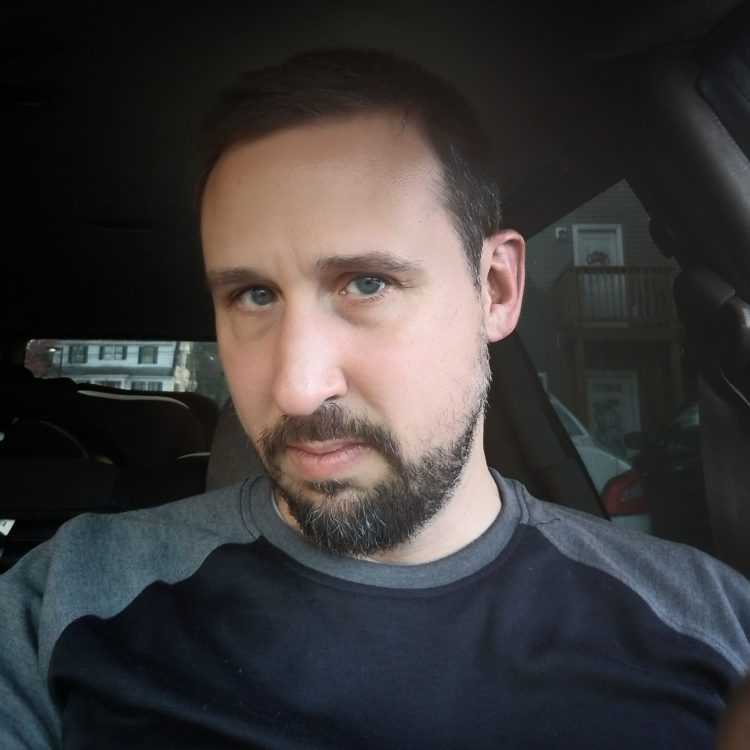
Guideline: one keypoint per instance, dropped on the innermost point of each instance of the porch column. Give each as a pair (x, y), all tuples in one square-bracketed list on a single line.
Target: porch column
[(676, 391), (579, 380)]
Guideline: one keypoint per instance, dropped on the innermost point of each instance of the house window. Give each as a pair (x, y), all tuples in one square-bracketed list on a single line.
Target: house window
[(147, 355), (113, 351), (78, 354), (146, 385)]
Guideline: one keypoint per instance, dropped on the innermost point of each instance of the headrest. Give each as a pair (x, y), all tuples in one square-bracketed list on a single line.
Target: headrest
[(10, 371), (233, 458), (130, 429)]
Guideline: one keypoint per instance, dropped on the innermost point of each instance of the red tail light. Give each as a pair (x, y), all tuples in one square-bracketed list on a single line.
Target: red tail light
[(623, 495)]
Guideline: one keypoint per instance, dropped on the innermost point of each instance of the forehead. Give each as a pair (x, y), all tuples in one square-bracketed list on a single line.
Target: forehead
[(386, 138), (365, 173)]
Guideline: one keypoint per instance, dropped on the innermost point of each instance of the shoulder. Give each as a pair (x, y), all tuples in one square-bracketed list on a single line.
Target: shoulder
[(201, 520), (97, 564), (167, 542), (688, 590)]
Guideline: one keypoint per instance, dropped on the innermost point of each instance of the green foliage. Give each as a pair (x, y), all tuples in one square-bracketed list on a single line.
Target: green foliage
[(43, 358), (207, 371)]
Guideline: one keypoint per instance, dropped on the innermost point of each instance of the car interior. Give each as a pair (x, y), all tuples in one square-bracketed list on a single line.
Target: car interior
[(622, 147)]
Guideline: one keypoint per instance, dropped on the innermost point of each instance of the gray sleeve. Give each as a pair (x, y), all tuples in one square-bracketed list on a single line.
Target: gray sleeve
[(94, 565), (689, 591), (28, 718)]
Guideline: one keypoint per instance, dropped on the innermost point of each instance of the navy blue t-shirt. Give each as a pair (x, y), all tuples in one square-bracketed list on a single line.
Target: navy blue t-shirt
[(209, 623)]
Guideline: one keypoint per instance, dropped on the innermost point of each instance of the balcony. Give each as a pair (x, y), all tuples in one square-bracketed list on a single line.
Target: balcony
[(619, 321), (631, 300)]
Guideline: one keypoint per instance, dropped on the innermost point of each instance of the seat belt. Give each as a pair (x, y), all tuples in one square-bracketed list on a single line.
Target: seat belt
[(718, 322)]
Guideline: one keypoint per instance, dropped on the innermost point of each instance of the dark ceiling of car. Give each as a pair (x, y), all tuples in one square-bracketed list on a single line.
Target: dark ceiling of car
[(101, 103)]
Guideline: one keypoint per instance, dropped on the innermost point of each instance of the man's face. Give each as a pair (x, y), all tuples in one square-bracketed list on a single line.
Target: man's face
[(349, 326)]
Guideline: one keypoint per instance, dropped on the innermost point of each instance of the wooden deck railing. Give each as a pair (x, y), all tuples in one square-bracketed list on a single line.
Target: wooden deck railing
[(615, 295)]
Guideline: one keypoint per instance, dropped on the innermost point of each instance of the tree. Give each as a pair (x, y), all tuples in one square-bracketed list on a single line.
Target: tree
[(207, 372), (44, 358)]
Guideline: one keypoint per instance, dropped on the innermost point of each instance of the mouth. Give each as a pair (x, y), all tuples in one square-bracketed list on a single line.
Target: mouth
[(317, 461)]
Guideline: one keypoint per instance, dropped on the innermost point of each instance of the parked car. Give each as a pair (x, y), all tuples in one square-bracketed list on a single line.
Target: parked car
[(666, 483), (601, 463)]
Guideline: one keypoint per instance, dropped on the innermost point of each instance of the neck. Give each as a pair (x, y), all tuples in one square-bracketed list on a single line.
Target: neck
[(465, 516)]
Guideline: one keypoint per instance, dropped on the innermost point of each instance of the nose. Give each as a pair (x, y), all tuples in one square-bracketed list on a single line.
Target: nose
[(308, 367)]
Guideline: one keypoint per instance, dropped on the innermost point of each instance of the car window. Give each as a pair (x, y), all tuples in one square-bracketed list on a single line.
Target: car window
[(600, 324), (572, 426), (150, 366)]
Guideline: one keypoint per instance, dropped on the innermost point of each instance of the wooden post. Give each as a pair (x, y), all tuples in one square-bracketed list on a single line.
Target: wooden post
[(675, 376), (579, 379)]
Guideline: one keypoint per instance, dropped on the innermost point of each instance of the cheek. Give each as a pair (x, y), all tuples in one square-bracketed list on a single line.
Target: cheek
[(407, 376), (249, 380), (433, 371)]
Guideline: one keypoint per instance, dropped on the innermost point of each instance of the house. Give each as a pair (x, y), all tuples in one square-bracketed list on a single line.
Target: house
[(131, 365), (599, 318)]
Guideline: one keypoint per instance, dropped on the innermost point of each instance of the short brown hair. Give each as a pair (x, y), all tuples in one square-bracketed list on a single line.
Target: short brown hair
[(330, 83)]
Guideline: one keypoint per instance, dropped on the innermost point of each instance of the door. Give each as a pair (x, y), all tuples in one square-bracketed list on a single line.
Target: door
[(598, 248), (613, 407)]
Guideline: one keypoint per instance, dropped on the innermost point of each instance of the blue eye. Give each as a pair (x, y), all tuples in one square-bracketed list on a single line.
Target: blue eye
[(257, 296), (366, 285)]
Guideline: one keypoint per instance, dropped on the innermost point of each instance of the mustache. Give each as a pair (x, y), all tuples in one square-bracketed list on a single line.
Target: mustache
[(329, 422)]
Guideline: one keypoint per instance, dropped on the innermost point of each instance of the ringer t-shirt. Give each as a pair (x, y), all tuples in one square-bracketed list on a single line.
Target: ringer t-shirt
[(210, 623)]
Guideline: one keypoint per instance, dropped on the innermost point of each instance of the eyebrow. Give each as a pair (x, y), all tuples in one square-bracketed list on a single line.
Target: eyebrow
[(231, 277), (372, 262)]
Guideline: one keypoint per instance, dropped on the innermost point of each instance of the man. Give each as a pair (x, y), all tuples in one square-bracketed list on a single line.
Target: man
[(381, 587), (355, 343)]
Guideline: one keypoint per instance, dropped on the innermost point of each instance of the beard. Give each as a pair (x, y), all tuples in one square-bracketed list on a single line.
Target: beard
[(346, 519)]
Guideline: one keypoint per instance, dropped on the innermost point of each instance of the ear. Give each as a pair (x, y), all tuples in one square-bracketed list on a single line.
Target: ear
[(503, 274)]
